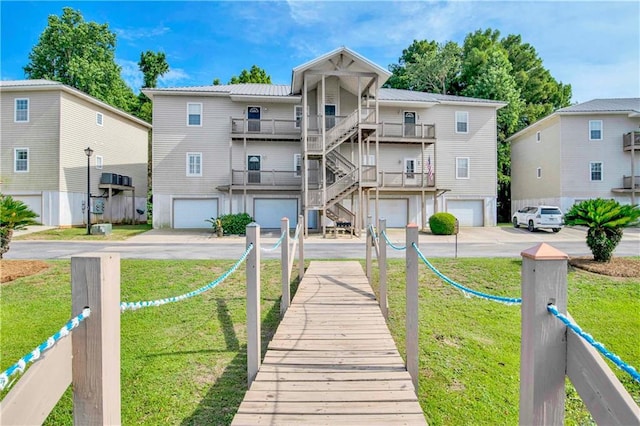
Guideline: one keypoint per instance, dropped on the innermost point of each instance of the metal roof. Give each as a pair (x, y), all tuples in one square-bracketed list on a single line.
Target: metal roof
[(244, 89), (29, 83), (411, 96), (605, 105)]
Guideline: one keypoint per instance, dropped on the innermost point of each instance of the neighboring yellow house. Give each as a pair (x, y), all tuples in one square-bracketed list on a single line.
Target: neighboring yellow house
[(584, 151), (45, 128)]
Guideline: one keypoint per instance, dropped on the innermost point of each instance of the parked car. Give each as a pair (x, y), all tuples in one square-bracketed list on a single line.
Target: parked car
[(540, 217)]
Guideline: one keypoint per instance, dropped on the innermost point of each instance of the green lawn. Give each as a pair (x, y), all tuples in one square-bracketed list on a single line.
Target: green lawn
[(185, 363), (120, 232)]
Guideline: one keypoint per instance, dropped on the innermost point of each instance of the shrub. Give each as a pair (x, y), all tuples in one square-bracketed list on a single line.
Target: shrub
[(14, 215), (235, 223), (442, 223)]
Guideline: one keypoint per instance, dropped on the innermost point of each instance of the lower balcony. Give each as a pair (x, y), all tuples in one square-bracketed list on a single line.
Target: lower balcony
[(266, 180), (631, 141), (405, 180), (626, 182)]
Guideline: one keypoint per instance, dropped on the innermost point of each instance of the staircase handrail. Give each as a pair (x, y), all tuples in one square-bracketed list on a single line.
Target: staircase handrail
[(340, 162), (340, 185)]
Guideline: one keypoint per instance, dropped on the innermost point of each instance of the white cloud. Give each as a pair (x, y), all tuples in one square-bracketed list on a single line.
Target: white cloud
[(133, 34), (173, 77), (131, 74)]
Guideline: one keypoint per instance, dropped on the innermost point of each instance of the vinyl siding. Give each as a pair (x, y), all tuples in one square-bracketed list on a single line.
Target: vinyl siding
[(40, 135), (578, 151), (121, 143), (526, 156), (274, 155)]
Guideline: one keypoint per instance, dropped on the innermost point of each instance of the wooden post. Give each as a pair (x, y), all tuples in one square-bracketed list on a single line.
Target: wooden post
[(368, 248), (382, 266), (301, 235), (286, 272), (253, 302), (411, 320), (95, 283), (543, 350)]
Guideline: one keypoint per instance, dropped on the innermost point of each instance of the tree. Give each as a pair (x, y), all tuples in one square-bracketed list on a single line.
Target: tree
[(14, 215), (605, 220), (80, 54), (255, 75), (434, 70), (399, 79), (153, 65)]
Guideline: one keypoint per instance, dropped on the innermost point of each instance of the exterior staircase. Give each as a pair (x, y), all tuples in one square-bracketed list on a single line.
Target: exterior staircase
[(345, 172)]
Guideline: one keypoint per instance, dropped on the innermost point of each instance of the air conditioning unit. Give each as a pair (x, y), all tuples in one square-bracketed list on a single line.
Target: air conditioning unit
[(109, 178)]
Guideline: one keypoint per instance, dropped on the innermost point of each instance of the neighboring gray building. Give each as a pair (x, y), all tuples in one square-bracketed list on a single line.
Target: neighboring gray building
[(584, 151), (46, 127), (333, 146)]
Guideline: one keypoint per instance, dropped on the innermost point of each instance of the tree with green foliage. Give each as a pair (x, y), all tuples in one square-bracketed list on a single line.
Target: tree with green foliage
[(254, 75), (605, 220), (82, 55), (153, 65), (489, 68), (435, 70), (14, 215)]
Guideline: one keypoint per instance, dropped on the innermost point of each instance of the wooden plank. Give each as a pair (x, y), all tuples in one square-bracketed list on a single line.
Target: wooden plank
[(324, 376), (331, 386), (337, 420), (320, 396), (39, 389), (321, 407), (603, 394)]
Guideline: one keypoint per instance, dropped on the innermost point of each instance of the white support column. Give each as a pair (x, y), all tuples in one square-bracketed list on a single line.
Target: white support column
[(368, 248), (253, 302), (411, 319), (284, 262), (95, 283), (301, 219), (543, 351)]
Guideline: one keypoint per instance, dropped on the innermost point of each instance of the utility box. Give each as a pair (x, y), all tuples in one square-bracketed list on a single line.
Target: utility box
[(101, 229)]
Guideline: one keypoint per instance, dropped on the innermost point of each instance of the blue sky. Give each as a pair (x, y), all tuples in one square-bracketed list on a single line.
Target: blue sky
[(594, 46)]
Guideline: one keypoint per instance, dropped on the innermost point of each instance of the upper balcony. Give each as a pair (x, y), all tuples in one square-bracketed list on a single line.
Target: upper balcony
[(406, 132), (631, 141), (265, 129)]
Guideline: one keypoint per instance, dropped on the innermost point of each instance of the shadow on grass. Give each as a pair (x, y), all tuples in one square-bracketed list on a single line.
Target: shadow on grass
[(222, 401)]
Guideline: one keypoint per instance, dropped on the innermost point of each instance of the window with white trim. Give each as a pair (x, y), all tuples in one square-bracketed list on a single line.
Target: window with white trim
[(194, 114), (595, 171), (99, 162), (297, 115), (539, 172), (99, 118), (21, 114), (462, 167), (410, 167), (538, 137), (21, 160), (297, 165), (595, 130), (462, 122), (194, 164)]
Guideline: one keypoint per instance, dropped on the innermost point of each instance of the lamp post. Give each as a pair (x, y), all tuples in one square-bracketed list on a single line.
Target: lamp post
[(89, 152)]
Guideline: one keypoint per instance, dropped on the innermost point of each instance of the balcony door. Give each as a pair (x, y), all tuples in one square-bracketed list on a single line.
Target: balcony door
[(253, 117), (329, 116), (410, 170), (253, 167), (409, 124)]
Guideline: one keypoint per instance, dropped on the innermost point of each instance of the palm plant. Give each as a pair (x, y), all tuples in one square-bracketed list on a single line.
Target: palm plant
[(604, 220), (14, 215)]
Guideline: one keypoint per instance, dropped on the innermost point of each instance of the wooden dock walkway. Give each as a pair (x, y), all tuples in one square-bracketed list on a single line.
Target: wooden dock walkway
[(332, 360)]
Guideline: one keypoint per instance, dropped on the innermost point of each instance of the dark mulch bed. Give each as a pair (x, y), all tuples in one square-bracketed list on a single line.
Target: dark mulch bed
[(617, 267)]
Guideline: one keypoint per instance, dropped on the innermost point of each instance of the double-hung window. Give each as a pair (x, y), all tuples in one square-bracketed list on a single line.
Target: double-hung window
[(462, 167), (595, 130), (21, 114), (462, 122), (297, 115), (194, 114), (21, 160), (194, 164), (595, 171), (297, 165)]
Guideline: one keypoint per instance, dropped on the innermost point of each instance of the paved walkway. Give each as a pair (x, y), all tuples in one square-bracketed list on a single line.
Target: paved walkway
[(332, 360)]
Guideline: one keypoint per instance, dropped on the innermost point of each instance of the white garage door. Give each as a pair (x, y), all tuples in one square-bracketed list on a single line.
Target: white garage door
[(468, 212), (34, 202), (395, 211), (268, 212), (192, 213)]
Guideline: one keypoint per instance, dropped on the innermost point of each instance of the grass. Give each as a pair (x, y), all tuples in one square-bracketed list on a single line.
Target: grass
[(182, 363), (470, 348), (185, 363), (120, 232)]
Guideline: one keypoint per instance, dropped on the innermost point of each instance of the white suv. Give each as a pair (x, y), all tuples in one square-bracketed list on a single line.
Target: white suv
[(540, 217)]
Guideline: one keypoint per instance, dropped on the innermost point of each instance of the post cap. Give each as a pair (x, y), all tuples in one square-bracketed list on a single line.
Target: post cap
[(544, 251)]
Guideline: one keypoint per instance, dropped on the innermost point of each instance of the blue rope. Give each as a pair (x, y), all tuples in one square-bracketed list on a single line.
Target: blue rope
[(124, 306), (297, 234), (275, 247), (390, 244), (599, 346), (32, 356), (373, 232), (465, 290)]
